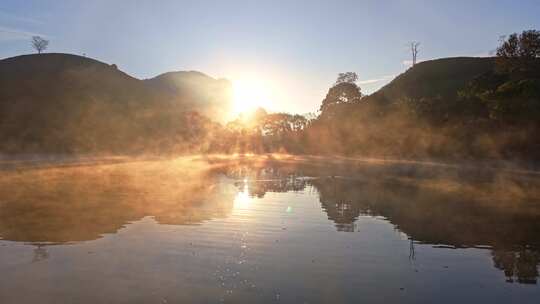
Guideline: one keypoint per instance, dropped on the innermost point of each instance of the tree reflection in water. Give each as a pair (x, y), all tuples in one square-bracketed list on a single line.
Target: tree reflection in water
[(454, 212), (431, 205), (40, 253), (518, 265)]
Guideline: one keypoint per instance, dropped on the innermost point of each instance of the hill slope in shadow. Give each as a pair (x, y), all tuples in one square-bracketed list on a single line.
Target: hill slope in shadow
[(65, 103)]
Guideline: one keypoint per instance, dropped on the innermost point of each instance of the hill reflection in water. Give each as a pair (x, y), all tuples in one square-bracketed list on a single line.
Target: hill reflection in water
[(442, 206), (59, 205), (452, 207)]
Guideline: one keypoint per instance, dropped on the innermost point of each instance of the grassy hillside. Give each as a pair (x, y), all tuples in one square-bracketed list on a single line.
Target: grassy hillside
[(56, 78), (66, 103), (444, 108), (436, 78)]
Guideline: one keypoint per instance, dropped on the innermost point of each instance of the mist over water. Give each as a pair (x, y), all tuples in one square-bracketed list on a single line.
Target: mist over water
[(305, 158), (264, 229)]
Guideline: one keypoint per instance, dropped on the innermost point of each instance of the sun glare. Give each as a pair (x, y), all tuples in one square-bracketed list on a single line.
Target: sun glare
[(250, 95), (242, 200)]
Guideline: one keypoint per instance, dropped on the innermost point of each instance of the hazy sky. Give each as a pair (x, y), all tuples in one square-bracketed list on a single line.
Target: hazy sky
[(294, 48)]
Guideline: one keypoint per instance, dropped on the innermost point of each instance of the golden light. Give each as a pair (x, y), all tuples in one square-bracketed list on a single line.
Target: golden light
[(250, 94), (242, 199)]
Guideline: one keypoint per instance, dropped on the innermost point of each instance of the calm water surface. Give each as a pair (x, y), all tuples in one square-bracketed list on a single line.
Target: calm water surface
[(268, 232)]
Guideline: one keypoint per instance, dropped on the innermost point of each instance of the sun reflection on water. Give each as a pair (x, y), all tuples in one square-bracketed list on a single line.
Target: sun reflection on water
[(242, 199)]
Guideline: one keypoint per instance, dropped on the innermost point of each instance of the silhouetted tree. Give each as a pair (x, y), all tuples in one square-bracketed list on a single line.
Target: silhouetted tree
[(39, 44), (350, 77), (414, 51), (299, 122), (345, 90), (518, 51), (524, 45)]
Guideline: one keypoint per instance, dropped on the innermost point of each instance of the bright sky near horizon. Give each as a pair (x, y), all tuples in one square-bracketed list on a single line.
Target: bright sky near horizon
[(294, 49)]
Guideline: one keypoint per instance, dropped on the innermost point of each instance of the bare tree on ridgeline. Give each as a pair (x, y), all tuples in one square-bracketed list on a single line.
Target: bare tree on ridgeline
[(39, 44), (414, 51)]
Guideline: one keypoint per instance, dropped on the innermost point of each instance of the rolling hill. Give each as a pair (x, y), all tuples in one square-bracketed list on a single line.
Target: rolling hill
[(195, 90), (442, 78), (446, 108), (65, 103)]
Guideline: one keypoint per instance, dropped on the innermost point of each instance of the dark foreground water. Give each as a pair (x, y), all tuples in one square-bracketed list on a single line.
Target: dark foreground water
[(243, 231)]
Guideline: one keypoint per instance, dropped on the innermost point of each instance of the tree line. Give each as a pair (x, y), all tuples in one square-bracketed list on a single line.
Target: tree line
[(493, 115)]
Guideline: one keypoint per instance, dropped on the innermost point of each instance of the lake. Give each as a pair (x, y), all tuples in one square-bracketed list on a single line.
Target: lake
[(268, 229)]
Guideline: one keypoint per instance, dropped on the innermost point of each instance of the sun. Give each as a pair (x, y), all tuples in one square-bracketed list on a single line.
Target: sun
[(250, 94)]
